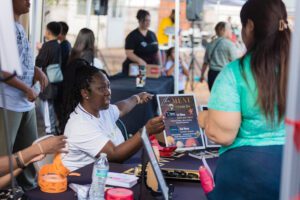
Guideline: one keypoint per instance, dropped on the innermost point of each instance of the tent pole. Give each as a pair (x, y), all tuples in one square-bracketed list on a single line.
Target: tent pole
[(290, 174), (177, 22)]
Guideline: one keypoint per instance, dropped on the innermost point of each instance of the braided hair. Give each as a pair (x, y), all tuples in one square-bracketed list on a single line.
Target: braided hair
[(78, 76)]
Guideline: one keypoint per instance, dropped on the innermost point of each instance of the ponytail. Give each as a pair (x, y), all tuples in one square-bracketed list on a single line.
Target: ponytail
[(270, 54), (78, 76)]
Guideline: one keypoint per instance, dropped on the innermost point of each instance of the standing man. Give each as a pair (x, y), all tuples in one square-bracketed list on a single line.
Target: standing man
[(19, 99), (65, 45), (49, 54), (65, 48), (219, 53)]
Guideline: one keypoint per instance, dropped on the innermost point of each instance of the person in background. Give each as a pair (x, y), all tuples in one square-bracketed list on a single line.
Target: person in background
[(65, 48), (84, 48), (90, 119), (219, 53), (141, 45), (165, 23), (65, 45), (19, 99), (183, 71), (247, 107), (233, 35), (50, 53)]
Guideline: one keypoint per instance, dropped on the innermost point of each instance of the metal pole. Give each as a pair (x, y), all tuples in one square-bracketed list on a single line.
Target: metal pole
[(290, 174), (88, 12), (36, 24), (218, 10), (176, 74)]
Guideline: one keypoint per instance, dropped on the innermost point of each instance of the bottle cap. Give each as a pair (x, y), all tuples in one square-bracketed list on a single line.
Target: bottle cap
[(103, 155)]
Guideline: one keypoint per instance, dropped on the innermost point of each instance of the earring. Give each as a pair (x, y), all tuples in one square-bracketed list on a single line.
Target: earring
[(87, 97)]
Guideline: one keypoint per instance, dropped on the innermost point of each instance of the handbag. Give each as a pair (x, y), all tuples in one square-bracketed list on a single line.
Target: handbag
[(54, 72)]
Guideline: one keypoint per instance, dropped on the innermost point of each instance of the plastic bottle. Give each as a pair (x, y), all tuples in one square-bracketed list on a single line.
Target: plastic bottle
[(99, 177), (206, 180), (141, 77)]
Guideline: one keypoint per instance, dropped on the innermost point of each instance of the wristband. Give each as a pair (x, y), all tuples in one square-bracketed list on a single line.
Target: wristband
[(21, 158), (19, 163), (40, 147), (137, 98)]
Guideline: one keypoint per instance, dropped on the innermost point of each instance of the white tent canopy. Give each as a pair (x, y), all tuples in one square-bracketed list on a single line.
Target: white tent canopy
[(226, 2)]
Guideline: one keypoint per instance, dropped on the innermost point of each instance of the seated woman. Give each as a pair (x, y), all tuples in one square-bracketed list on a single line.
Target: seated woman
[(29, 155), (247, 107), (91, 126), (141, 45)]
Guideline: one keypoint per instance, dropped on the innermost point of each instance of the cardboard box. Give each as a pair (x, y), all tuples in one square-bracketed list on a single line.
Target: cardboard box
[(153, 71)]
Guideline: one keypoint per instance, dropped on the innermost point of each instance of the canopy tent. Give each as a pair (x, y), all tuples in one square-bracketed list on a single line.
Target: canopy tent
[(226, 2)]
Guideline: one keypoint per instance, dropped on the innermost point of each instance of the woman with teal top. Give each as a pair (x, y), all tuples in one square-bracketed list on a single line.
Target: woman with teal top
[(247, 107)]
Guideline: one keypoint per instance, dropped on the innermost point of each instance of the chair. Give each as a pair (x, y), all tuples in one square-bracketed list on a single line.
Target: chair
[(123, 129)]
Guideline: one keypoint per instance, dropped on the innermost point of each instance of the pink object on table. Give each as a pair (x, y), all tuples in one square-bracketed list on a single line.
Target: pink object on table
[(119, 194), (163, 151), (206, 180)]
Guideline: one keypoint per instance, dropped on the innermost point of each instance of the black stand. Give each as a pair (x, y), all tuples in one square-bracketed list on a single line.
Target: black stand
[(11, 170), (143, 172), (193, 60)]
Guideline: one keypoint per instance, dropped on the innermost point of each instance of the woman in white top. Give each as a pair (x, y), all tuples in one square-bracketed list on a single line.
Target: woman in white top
[(91, 127), (169, 69)]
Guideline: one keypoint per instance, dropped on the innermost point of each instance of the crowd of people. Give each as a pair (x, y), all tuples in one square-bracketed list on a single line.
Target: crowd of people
[(246, 106)]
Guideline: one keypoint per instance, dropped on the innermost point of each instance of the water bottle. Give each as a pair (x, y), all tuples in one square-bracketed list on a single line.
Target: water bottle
[(206, 180), (141, 77), (99, 176)]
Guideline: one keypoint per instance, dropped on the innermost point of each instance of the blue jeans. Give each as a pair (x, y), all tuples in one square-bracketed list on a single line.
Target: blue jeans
[(249, 172)]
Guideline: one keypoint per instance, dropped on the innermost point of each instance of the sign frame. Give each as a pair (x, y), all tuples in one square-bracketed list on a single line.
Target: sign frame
[(196, 112)]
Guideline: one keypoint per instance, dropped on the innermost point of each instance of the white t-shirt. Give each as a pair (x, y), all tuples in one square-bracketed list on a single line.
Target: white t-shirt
[(87, 135), (182, 77), (98, 63)]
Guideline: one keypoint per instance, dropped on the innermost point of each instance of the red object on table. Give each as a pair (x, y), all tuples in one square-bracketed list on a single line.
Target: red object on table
[(119, 194), (163, 151)]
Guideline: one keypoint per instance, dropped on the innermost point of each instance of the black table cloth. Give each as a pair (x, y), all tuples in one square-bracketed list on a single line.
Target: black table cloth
[(182, 189)]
